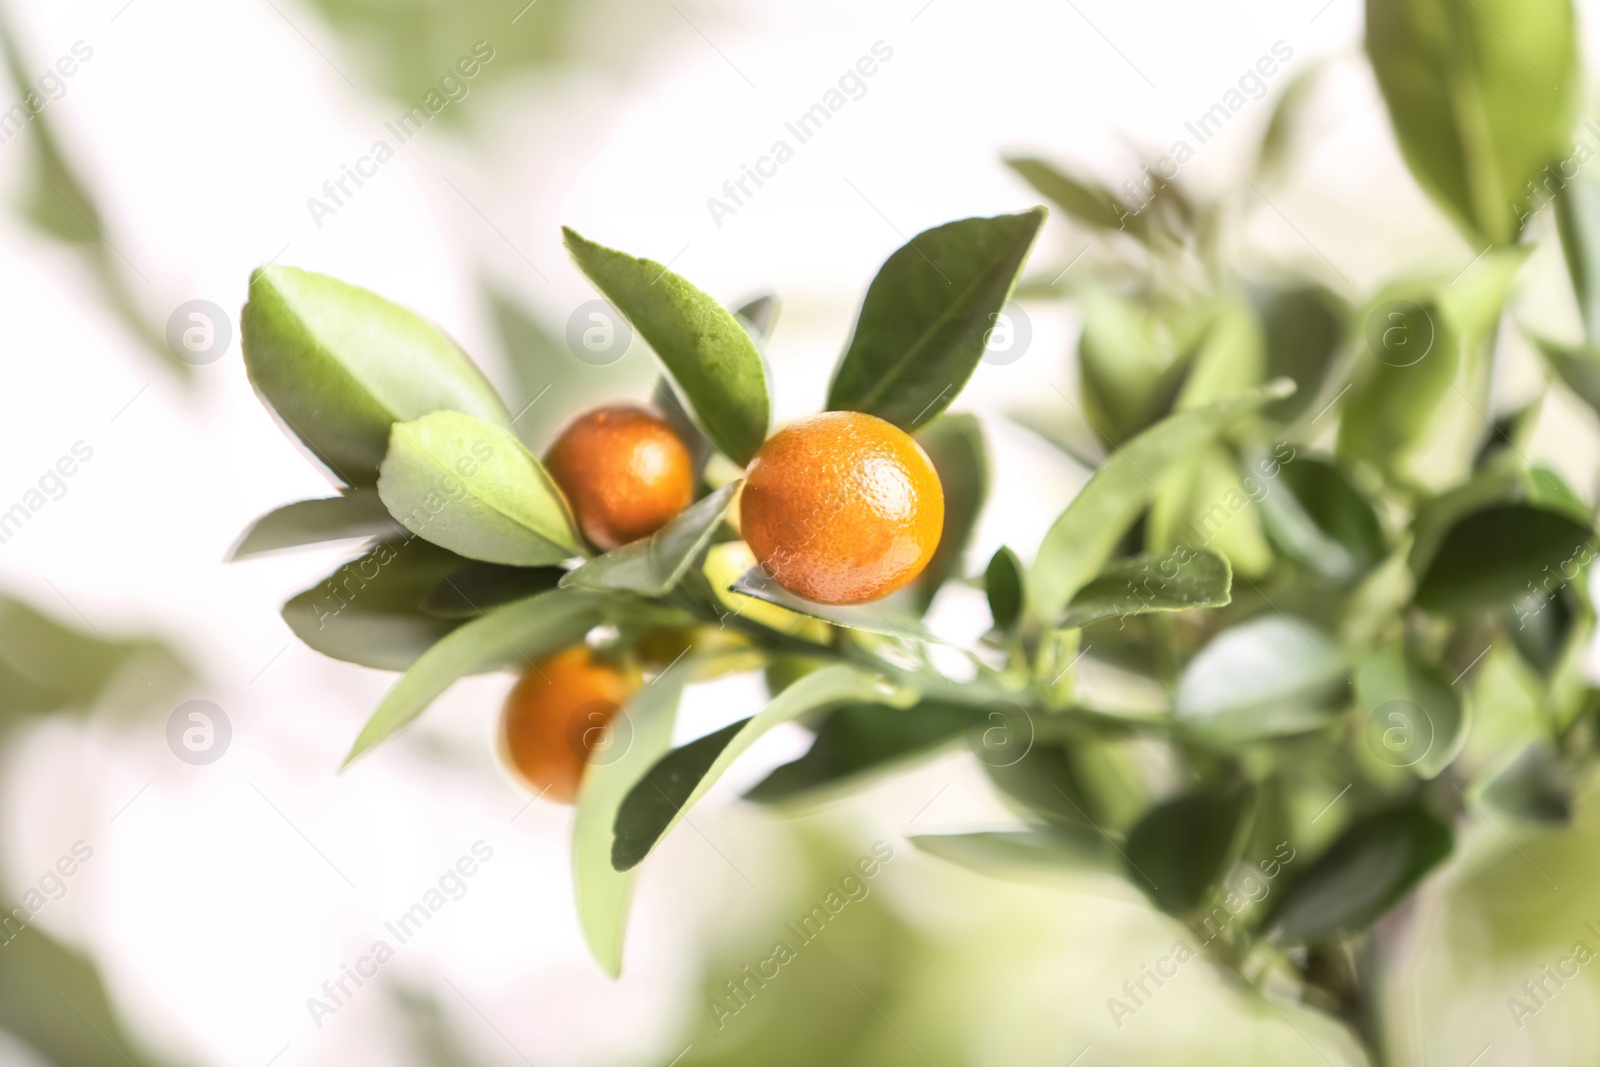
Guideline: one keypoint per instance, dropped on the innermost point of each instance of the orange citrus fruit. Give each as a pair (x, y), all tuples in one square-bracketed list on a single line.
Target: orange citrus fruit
[(842, 508), (625, 472), (558, 715)]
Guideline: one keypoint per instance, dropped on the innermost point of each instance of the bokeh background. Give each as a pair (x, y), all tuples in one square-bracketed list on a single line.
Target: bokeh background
[(216, 899)]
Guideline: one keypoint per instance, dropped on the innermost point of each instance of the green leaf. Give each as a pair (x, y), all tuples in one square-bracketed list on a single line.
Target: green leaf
[(677, 782), (1577, 204), (1317, 517), (1414, 718), (510, 636), (1303, 329), (1018, 851), (1368, 869), (1181, 847), (340, 365), (1491, 557), (1536, 787), (1272, 675), (1578, 367), (1400, 384), (1003, 583), (643, 733), (1541, 626), (472, 487), (1133, 360), (1083, 537), (859, 739), (703, 346), (924, 324), (760, 315), (358, 513), (1045, 777), (1481, 95), (476, 587), (1288, 116), (1182, 580), (654, 565), (1082, 198), (955, 445), (370, 611)]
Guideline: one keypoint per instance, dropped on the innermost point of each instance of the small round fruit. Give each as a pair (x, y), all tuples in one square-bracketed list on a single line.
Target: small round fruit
[(625, 472), (842, 508), (557, 716)]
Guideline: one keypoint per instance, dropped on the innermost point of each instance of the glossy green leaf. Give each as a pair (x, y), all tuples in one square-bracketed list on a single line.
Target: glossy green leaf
[(1082, 539), (1368, 869), (924, 323), (1181, 580), (884, 619), (470, 486), (703, 346), (677, 782), (859, 739), (1493, 556), (1132, 363), (640, 734), (510, 636), (1481, 95), (358, 513), (1003, 584), (956, 446), (1536, 787), (1272, 675), (1314, 515), (1414, 717), (476, 587), (1302, 331), (654, 565), (1577, 205), (1180, 849), (341, 365), (370, 610)]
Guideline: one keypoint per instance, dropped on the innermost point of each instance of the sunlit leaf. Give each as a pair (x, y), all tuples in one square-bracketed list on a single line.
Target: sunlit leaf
[(924, 324), (703, 346), (470, 486), (341, 365)]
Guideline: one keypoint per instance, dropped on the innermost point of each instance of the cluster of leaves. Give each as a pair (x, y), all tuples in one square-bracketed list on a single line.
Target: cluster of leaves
[(1399, 563), (473, 562), (1265, 620)]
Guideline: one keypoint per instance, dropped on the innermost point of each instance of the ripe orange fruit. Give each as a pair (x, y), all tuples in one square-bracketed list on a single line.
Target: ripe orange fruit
[(842, 508), (625, 472), (557, 715)]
